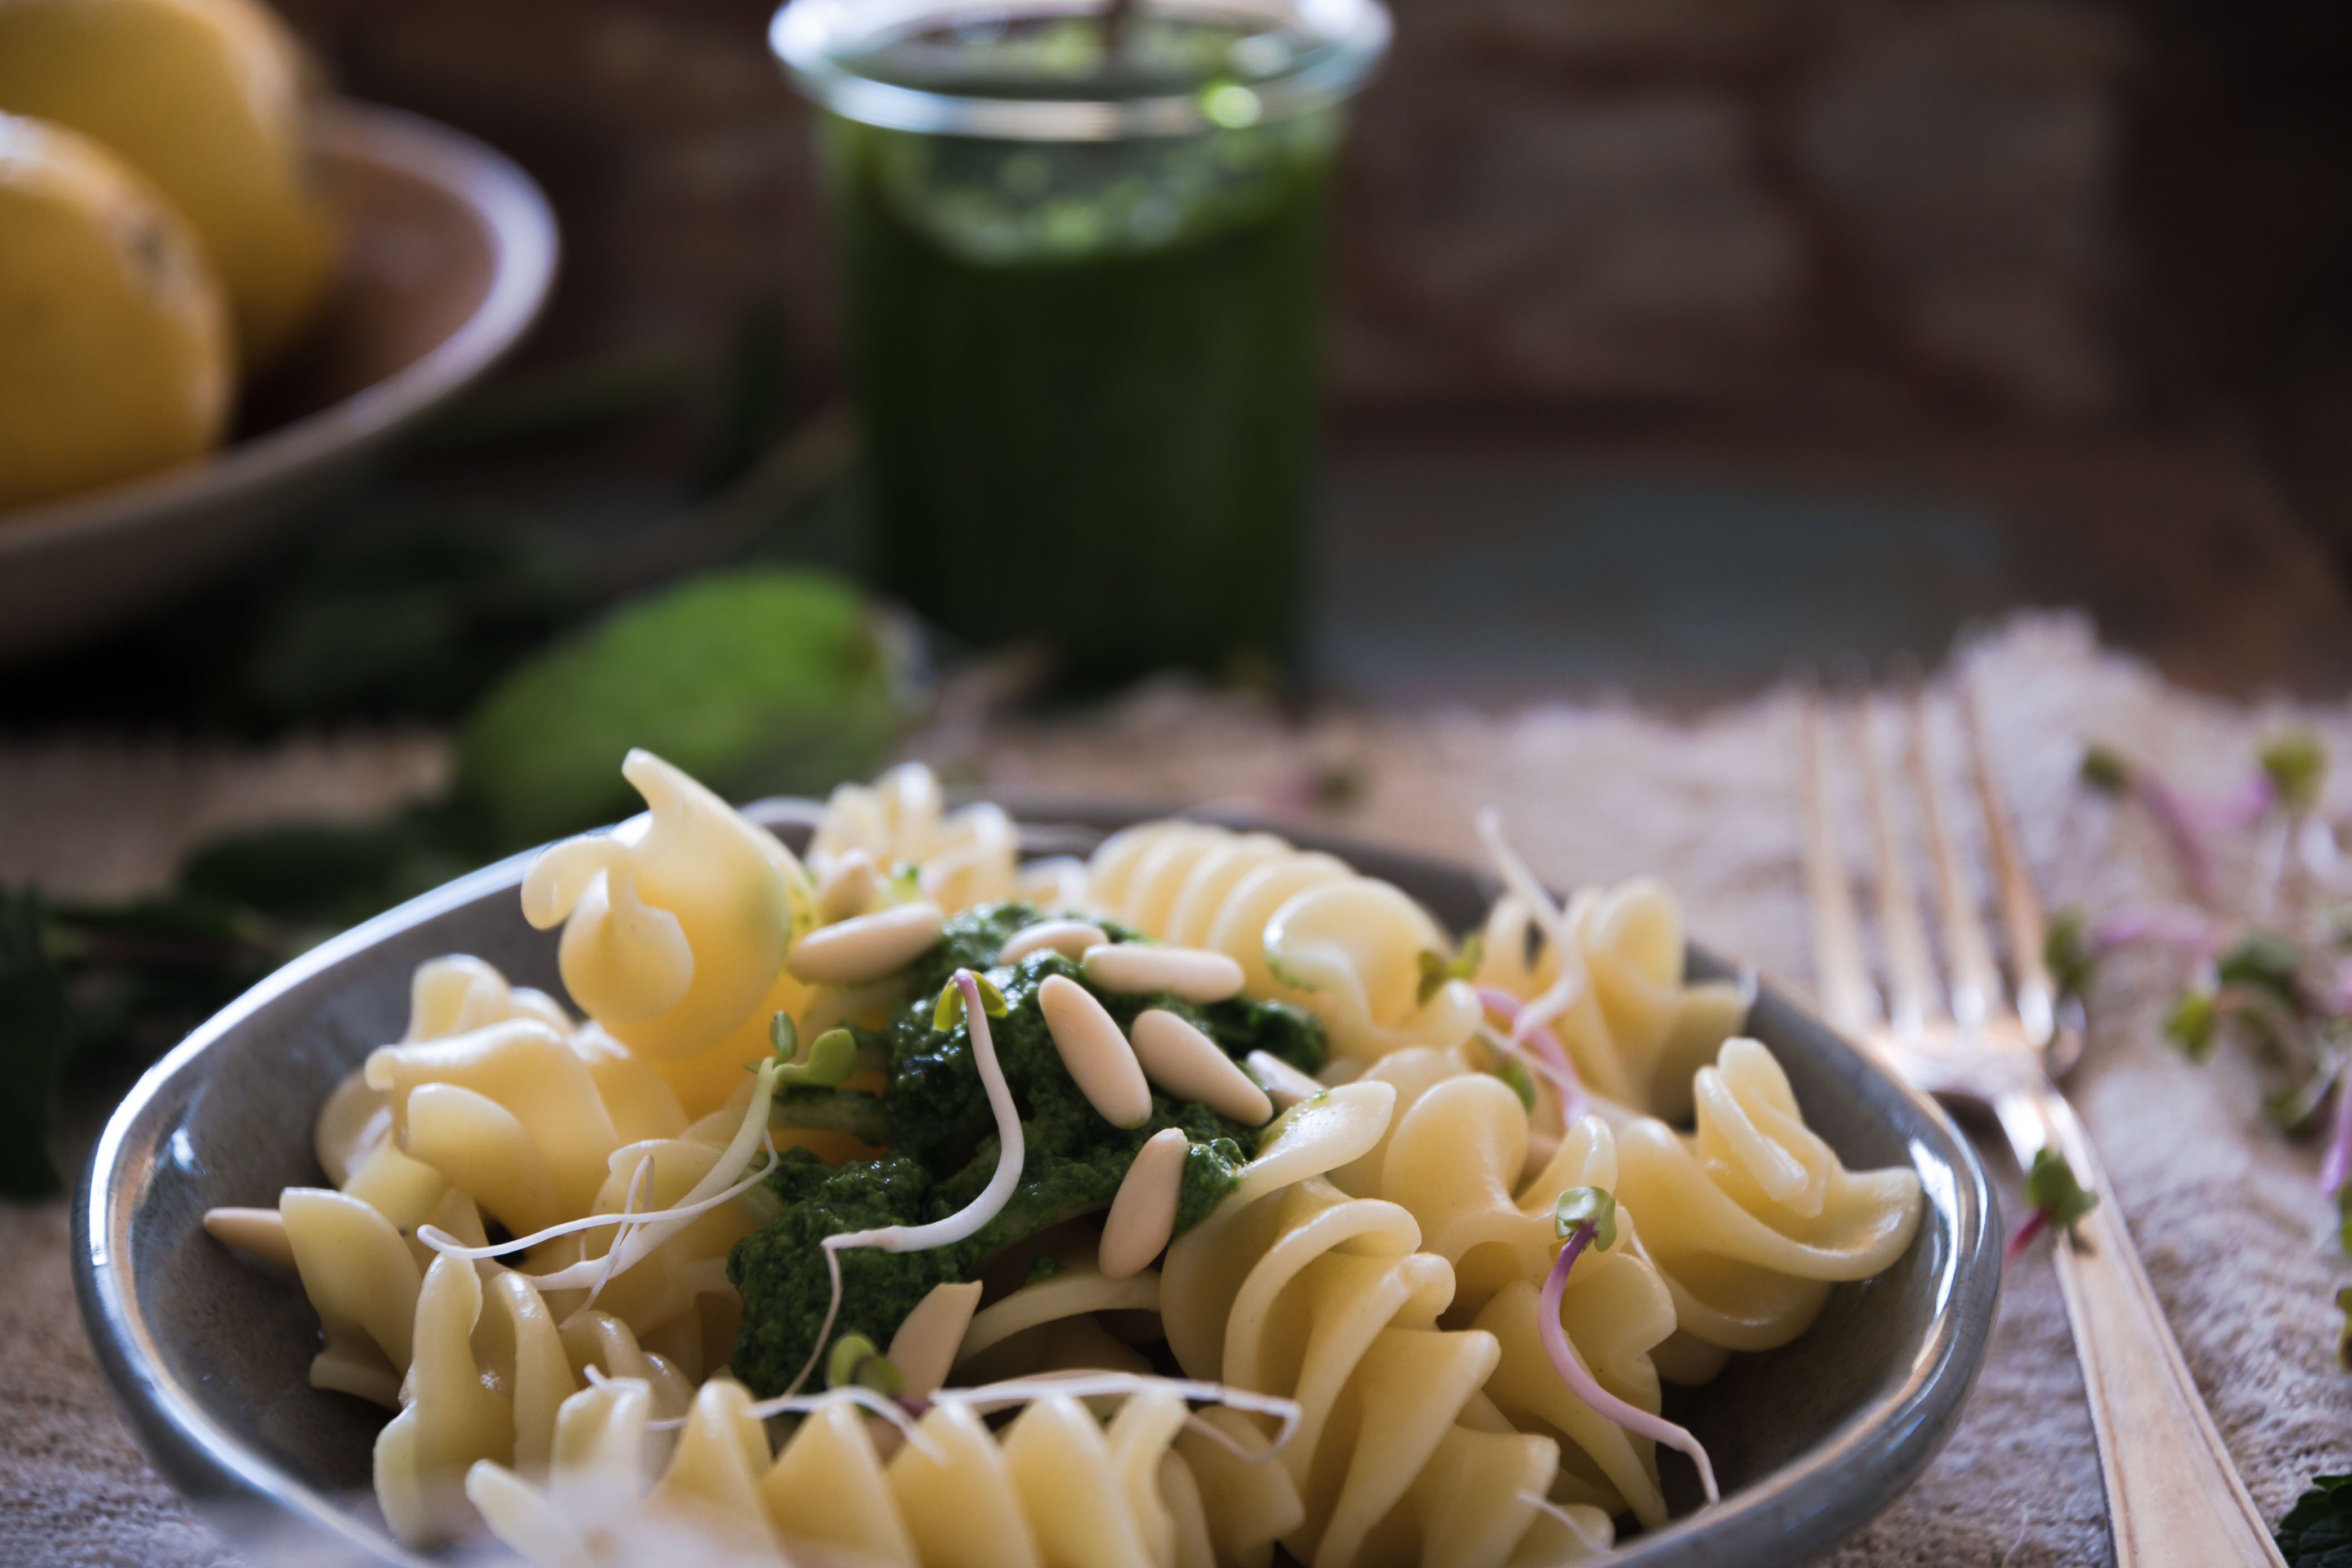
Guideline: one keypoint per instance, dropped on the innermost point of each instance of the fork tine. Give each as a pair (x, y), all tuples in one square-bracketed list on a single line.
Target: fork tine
[(2021, 911), (1847, 1000), (1974, 982), (1913, 1000)]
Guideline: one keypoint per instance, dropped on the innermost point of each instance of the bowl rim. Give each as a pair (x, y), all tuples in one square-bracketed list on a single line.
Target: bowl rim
[(525, 250), (1785, 1517)]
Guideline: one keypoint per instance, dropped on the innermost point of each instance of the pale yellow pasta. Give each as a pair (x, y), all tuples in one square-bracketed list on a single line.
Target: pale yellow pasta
[(1057, 1489), (491, 1374), (1634, 1029), (486, 1383), (1205, 887), (1478, 1500), (676, 1294), (1752, 1218), (1310, 1294), (531, 1119), (676, 925), (959, 858), (1050, 1325), (1351, 952), (353, 1135), (471, 1038), (1304, 928), (1249, 1502), (1616, 1311), (1455, 1158), (363, 1282)]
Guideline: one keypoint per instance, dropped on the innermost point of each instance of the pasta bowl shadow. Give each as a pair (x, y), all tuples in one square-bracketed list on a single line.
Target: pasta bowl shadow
[(209, 1353)]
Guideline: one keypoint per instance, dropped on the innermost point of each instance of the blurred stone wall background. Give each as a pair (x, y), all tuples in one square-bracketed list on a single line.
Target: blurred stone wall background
[(1850, 209)]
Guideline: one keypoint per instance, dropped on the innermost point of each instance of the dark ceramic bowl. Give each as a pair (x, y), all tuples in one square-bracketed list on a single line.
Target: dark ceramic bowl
[(210, 1353)]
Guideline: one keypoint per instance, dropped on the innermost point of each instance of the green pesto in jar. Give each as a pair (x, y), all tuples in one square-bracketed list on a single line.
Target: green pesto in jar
[(1088, 369)]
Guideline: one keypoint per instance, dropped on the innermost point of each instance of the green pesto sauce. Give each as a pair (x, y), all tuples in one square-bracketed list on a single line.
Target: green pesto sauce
[(1049, 335), (943, 1151)]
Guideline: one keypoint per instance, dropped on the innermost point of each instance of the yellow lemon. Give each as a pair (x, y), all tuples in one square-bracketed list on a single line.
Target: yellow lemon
[(115, 351), (209, 100)]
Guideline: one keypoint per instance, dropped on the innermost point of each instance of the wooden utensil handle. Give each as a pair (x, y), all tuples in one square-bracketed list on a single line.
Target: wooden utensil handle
[(2174, 1499)]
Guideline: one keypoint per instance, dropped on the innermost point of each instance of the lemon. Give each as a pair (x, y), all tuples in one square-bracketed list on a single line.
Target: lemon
[(209, 100), (115, 350)]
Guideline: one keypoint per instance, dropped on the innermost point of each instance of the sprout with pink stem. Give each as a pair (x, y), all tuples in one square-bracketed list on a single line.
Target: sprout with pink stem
[(2337, 1162), (1587, 1217), (2170, 925), (2110, 773), (1551, 1056), (2057, 1198)]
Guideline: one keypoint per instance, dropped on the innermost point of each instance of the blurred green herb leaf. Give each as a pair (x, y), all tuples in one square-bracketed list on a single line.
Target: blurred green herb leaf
[(2193, 1023), (2295, 763), (2066, 951), (755, 681), (2105, 770), (2318, 1531), (2053, 1191), (1513, 1072), (1436, 968), (2266, 961), (35, 1033)]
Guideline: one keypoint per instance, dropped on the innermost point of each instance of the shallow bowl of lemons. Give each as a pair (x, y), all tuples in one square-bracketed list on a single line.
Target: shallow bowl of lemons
[(220, 291)]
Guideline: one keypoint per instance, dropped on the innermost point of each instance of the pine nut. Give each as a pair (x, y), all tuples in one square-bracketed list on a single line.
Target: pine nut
[(1285, 1084), (1070, 938), (261, 1232), (1188, 1064), (924, 1348), (1100, 1061), (848, 888), (1143, 1214), (865, 948), (1195, 973)]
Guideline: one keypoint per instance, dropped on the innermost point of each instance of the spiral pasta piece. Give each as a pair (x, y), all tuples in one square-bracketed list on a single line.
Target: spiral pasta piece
[(1636, 1030), (492, 1375), (1051, 1324), (961, 859), (1304, 928), (1454, 1159), (353, 1135), (541, 1129), (1752, 1218), (363, 1282), (489, 1375), (510, 1112), (1300, 1290), (677, 1296), (1057, 1490), (676, 925)]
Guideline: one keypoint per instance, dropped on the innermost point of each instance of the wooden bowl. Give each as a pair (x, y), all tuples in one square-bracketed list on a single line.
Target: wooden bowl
[(450, 251)]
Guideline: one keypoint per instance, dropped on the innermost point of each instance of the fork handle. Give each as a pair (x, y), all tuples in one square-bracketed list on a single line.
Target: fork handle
[(2174, 1499)]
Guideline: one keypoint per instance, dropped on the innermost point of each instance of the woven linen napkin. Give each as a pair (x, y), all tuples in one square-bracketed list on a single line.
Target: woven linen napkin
[(2225, 1211)]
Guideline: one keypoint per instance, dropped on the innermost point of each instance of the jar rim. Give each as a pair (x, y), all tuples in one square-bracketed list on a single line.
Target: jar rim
[(812, 39)]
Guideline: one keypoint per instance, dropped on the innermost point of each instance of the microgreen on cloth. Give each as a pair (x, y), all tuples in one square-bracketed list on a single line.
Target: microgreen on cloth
[(2058, 1200), (2318, 1531)]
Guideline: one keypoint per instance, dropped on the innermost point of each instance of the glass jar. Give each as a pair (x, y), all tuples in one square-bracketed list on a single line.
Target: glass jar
[(1083, 259)]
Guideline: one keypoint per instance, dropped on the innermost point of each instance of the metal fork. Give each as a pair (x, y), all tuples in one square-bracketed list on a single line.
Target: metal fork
[(2174, 1499)]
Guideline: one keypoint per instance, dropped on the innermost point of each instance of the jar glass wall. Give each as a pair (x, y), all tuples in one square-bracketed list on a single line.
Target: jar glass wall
[(1084, 280)]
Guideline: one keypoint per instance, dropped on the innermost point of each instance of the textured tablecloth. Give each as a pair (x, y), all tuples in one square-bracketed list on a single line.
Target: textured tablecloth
[(2225, 1212)]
